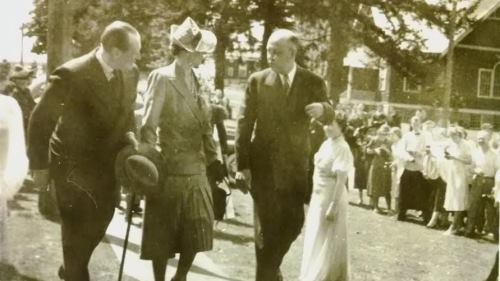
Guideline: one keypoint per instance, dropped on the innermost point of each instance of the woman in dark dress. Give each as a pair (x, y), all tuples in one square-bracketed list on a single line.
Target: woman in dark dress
[(357, 122), (379, 175)]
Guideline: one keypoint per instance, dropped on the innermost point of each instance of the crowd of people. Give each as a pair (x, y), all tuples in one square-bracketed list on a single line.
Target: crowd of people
[(433, 167), (86, 143)]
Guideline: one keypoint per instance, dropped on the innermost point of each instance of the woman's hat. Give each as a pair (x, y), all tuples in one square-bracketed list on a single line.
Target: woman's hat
[(139, 170), (192, 38), (21, 73)]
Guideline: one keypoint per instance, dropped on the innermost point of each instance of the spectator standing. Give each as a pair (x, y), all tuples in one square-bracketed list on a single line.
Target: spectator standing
[(19, 90), (379, 175), (397, 164), (458, 157), (13, 161), (484, 164), (414, 192)]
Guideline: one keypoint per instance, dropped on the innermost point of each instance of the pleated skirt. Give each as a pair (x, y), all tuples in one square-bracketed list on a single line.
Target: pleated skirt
[(179, 219)]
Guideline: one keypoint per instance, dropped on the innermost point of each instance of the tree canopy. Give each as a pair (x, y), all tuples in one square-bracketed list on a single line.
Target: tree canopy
[(330, 28)]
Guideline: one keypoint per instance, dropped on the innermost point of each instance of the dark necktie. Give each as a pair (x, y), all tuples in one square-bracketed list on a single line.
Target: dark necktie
[(286, 85), (116, 84)]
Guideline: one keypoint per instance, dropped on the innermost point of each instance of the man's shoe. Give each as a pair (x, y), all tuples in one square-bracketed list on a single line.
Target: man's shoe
[(60, 272)]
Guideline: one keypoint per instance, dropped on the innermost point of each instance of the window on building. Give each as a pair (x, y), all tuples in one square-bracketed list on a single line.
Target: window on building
[(488, 82), (411, 86), (496, 82), (484, 83)]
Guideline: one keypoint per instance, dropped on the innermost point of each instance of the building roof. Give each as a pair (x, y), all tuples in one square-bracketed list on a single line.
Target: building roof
[(435, 40)]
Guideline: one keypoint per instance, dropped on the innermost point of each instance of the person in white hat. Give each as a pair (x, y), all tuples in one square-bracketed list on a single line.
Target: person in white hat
[(179, 218)]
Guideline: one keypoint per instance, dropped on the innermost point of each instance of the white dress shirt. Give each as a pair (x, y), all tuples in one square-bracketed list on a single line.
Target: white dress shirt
[(108, 71), (485, 162), (290, 76)]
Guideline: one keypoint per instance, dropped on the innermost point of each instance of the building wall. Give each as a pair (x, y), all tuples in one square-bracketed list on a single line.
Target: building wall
[(465, 77), (430, 90)]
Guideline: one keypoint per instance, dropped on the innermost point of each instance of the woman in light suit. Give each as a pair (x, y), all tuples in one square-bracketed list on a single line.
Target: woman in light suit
[(13, 160), (179, 219)]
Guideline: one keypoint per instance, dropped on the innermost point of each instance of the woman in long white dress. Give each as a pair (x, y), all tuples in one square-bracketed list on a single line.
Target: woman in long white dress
[(13, 160), (458, 157), (325, 256)]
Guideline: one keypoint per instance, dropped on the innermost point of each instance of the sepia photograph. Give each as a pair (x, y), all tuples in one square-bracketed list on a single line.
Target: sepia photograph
[(242, 140)]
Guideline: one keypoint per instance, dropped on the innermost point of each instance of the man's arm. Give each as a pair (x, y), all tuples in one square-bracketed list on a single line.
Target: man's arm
[(246, 121), (44, 118), (322, 97), (320, 108)]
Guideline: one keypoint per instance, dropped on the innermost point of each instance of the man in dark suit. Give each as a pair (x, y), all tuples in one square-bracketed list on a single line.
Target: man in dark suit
[(278, 106), (83, 119)]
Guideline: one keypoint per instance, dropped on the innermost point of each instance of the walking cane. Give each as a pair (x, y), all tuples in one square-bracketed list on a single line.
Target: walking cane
[(125, 243)]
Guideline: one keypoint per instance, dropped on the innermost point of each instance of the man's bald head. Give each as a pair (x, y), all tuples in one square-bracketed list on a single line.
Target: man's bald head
[(282, 47), (286, 36)]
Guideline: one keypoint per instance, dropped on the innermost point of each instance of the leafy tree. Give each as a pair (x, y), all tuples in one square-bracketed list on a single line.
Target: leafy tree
[(330, 28), (152, 19)]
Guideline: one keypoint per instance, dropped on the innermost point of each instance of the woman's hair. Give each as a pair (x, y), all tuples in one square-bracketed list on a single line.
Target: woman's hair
[(341, 120), (384, 129), (176, 49), (396, 131), (454, 131)]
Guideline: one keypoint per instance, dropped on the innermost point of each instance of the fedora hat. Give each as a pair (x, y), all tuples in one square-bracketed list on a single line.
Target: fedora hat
[(192, 38), (139, 170)]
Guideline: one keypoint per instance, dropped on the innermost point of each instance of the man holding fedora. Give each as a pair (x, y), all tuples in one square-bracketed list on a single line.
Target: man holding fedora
[(83, 120), (179, 219), (273, 147)]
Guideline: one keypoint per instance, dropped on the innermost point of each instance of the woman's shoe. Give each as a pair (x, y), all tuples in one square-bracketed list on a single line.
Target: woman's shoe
[(433, 223), (451, 231)]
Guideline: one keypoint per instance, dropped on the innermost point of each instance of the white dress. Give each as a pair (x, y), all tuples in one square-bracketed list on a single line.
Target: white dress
[(456, 177), (13, 160), (325, 256)]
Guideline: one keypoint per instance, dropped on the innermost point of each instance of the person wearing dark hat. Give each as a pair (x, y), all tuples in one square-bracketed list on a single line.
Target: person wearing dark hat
[(179, 219), (84, 118), (273, 148), (19, 89)]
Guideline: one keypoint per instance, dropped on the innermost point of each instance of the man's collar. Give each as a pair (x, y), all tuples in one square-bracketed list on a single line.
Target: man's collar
[(108, 70), (291, 74)]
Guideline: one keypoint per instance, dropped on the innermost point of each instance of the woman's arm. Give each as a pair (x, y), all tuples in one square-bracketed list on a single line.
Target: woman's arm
[(341, 179), (156, 93)]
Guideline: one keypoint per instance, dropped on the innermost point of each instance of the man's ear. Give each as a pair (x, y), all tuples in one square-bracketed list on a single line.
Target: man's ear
[(115, 52)]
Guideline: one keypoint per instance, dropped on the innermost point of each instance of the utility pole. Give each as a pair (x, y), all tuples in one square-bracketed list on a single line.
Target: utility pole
[(449, 57), (22, 45)]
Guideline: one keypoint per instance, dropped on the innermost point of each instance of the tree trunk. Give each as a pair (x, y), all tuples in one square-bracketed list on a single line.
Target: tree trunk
[(337, 51), (269, 25), (220, 57), (59, 33)]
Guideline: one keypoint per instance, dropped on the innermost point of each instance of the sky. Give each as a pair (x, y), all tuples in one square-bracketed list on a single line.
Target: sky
[(13, 13)]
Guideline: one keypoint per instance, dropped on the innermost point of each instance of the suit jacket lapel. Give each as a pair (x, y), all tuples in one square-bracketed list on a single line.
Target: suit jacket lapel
[(180, 84), (295, 87), (276, 89), (97, 79)]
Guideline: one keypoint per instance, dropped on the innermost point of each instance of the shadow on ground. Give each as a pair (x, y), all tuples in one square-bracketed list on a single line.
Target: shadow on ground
[(10, 273), (236, 222), (235, 238)]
